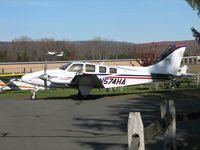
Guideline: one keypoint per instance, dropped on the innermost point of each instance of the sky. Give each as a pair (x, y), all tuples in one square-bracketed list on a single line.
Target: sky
[(136, 21)]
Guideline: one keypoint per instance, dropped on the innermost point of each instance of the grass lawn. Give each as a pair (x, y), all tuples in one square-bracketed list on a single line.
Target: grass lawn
[(144, 90)]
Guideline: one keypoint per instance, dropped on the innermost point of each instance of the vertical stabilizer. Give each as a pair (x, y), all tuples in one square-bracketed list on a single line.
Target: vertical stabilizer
[(169, 61)]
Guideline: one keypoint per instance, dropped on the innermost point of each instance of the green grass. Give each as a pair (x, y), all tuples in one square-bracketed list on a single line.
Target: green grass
[(144, 90), (40, 94)]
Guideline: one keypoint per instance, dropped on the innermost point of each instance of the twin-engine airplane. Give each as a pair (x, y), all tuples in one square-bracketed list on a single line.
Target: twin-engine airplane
[(86, 76)]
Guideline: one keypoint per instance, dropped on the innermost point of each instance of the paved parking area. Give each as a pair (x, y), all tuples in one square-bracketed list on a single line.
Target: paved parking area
[(94, 124)]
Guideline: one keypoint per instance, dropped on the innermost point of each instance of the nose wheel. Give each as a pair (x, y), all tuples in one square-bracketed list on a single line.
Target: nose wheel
[(34, 96)]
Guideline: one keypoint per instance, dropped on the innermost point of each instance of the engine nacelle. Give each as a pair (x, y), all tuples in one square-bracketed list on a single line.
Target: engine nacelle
[(60, 80)]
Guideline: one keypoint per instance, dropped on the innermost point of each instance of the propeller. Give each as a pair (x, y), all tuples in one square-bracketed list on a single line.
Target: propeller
[(44, 76)]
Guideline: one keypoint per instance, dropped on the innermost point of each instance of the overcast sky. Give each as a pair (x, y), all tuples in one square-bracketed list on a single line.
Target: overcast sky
[(134, 21)]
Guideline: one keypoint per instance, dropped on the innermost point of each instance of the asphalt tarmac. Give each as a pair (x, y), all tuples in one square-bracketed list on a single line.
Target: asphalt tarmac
[(94, 124)]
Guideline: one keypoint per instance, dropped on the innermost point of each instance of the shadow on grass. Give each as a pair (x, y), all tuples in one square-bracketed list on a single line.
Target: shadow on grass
[(160, 93), (92, 96)]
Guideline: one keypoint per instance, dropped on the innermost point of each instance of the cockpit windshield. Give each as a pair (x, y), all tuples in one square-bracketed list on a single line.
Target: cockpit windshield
[(65, 66), (76, 68)]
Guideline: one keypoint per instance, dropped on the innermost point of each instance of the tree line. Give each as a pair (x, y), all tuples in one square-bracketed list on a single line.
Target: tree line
[(24, 49)]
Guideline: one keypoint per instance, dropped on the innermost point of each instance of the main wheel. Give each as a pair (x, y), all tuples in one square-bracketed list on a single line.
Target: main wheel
[(33, 97), (82, 96)]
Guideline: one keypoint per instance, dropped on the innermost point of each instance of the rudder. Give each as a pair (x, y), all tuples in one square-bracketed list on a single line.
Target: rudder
[(169, 61)]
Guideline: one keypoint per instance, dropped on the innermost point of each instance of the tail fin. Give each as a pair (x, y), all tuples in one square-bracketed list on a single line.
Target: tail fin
[(169, 61)]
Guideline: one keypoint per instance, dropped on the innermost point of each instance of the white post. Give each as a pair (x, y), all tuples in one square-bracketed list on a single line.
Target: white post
[(168, 107), (135, 129), (156, 85)]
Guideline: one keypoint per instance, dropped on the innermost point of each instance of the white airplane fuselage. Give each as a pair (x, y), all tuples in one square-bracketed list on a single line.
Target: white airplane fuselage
[(87, 76), (123, 77)]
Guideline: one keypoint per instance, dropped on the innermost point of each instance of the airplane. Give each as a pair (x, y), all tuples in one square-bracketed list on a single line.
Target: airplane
[(10, 82), (183, 72), (86, 76), (55, 53)]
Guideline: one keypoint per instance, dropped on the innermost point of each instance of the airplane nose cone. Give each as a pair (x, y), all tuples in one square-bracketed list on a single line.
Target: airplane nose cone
[(43, 76)]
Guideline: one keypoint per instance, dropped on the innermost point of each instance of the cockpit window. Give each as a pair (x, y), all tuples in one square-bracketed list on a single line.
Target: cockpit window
[(65, 66), (76, 68)]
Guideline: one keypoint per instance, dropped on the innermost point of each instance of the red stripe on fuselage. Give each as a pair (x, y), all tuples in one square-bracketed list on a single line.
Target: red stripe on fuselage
[(130, 77), (136, 77)]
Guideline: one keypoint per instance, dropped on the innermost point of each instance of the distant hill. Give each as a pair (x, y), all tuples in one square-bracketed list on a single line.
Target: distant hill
[(30, 50)]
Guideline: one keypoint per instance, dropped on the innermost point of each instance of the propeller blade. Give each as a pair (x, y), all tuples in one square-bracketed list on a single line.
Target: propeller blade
[(46, 76), (45, 84)]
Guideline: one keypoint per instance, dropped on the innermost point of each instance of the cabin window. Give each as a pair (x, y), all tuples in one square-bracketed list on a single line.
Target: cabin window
[(76, 68), (90, 68), (113, 70), (102, 69)]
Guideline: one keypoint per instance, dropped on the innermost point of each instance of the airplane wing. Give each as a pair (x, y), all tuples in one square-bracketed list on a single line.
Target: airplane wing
[(186, 75), (13, 82), (10, 76), (87, 80), (183, 72), (85, 83)]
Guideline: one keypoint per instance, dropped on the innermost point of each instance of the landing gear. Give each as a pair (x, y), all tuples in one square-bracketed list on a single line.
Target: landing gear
[(80, 95), (34, 96), (84, 87), (83, 91), (1, 90)]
